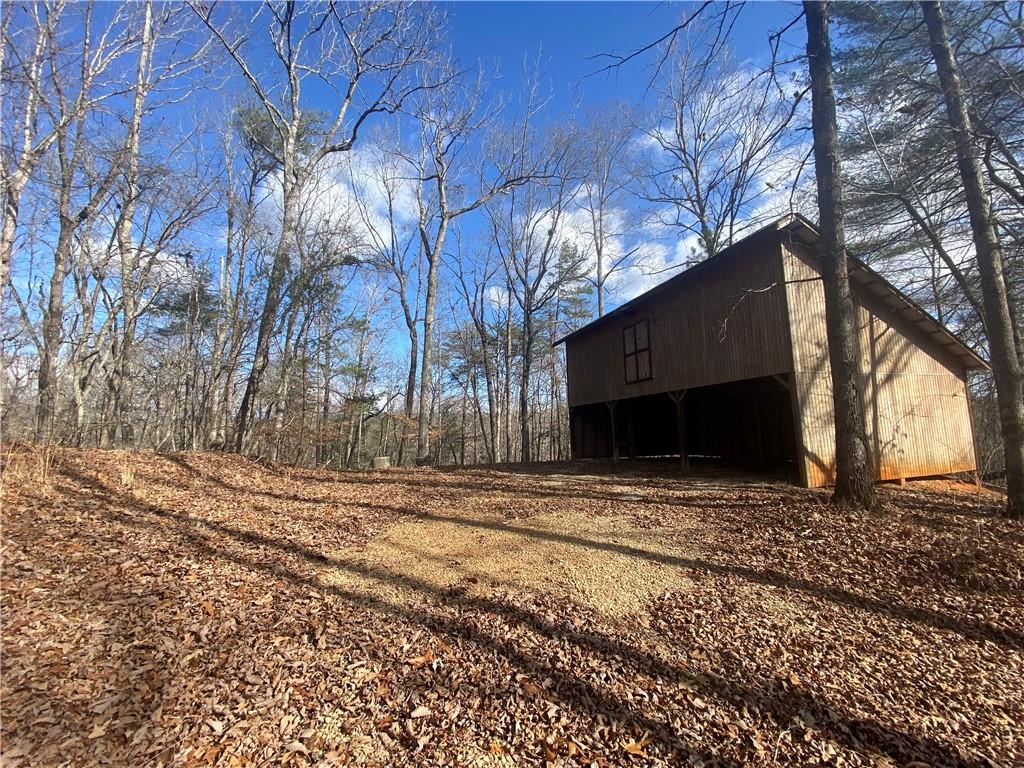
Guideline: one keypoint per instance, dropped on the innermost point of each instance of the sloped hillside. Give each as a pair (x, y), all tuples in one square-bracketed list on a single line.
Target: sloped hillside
[(202, 609)]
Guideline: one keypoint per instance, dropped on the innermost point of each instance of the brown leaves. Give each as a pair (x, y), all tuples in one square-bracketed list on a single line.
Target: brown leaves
[(637, 747), (419, 661), (98, 730), (206, 614), (530, 687)]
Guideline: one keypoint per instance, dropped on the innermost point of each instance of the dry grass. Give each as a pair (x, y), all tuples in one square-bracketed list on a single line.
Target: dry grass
[(24, 467)]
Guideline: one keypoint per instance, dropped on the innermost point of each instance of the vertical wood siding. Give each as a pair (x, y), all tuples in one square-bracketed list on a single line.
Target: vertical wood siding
[(919, 419), (812, 374), (760, 311), (723, 322), (916, 407)]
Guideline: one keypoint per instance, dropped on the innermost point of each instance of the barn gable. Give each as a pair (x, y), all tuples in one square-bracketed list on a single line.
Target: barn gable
[(705, 328)]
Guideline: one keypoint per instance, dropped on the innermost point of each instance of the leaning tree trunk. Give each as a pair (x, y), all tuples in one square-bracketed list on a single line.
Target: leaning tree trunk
[(854, 471), (1006, 365), (493, 445)]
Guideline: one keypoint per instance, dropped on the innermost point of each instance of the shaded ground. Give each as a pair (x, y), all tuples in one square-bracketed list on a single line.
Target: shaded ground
[(202, 609)]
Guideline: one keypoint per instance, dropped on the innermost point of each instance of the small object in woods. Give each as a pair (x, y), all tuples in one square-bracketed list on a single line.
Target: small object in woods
[(381, 462)]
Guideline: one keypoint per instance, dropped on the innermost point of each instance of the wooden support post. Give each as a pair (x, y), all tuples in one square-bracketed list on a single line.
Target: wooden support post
[(790, 383), (630, 438), (574, 449), (677, 397), (615, 440)]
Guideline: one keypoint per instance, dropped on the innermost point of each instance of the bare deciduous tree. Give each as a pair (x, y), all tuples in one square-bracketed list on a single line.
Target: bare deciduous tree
[(367, 54), (449, 116), (606, 143), (527, 229), (393, 242), (31, 48), (718, 139)]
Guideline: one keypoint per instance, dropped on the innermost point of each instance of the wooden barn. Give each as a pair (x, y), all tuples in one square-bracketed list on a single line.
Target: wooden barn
[(729, 360)]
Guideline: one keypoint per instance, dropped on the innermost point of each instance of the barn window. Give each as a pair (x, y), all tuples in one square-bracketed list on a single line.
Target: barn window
[(636, 347)]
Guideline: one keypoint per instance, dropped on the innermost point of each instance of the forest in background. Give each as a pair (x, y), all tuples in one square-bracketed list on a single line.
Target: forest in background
[(307, 232)]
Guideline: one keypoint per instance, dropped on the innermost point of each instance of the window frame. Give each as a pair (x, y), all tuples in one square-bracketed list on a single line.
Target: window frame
[(632, 352)]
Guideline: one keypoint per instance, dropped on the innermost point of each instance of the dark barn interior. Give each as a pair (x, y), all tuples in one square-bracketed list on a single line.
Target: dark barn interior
[(745, 423)]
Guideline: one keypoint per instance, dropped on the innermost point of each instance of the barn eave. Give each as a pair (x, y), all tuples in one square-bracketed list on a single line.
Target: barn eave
[(801, 229)]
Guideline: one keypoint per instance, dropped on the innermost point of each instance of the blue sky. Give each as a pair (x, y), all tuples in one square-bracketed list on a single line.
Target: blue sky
[(566, 40), (568, 34)]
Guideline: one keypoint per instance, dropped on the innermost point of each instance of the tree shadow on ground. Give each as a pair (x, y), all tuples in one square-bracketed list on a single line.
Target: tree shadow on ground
[(201, 535), (488, 480), (965, 627)]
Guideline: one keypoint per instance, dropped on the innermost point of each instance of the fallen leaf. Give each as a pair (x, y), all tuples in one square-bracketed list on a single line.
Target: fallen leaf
[(419, 661), (637, 747)]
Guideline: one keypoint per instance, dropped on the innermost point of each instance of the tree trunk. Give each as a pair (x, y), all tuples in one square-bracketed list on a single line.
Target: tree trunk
[(1006, 365), (281, 396), (493, 445), (507, 393), (128, 252), (433, 263), (325, 404), (53, 318), (12, 201), (462, 425), (524, 389), (410, 389), (268, 318), (854, 471)]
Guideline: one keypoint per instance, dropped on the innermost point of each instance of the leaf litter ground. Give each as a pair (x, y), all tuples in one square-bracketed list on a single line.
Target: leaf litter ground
[(202, 609)]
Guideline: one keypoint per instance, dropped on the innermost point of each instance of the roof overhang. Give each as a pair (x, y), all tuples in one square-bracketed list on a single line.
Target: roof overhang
[(866, 279), (674, 281), (873, 284)]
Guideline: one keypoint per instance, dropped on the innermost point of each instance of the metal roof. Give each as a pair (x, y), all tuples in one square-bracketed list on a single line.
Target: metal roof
[(869, 280)]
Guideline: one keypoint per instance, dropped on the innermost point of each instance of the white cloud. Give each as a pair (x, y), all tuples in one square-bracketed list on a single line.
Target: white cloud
[(656, 262), (497, 297), (353, 188)]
